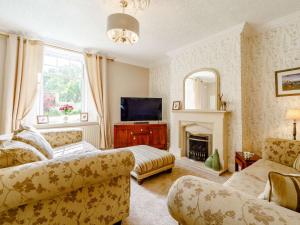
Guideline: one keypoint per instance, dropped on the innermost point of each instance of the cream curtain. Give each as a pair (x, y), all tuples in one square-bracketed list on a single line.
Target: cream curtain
[(97, 74), (24, 60)]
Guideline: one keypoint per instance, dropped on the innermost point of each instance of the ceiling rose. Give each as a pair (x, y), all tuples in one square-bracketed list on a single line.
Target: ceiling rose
[(124, 28)]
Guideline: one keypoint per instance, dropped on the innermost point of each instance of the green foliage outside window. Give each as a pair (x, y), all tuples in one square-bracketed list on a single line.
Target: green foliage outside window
[(62, 85)]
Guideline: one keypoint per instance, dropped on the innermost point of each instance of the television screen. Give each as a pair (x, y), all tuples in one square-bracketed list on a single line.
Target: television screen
[(141, 109)]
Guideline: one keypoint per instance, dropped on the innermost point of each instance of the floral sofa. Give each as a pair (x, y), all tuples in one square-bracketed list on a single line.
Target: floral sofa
[(193, 200), (72, 188)]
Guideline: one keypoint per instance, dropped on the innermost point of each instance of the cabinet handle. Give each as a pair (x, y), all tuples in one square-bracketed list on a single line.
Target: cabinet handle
[(134, 138), (131, 133), (150, 131), (141, 129)]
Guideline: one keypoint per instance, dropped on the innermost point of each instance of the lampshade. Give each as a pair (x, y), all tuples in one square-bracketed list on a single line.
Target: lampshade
[(293, 114), (122, 28)]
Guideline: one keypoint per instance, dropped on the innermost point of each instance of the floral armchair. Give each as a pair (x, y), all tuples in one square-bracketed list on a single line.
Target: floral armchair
[(196, 201), (89, 188)]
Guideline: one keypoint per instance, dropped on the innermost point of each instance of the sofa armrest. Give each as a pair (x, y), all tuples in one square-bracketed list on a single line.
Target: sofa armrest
[(60, 137), (46, 179), (196, 201)]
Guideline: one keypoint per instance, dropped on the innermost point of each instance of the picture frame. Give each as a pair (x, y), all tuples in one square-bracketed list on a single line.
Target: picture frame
[(42, 119), (176, 105), (84, 117), (287, 82)]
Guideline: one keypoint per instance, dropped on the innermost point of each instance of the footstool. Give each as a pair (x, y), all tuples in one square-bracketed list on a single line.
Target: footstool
[(150, 161)]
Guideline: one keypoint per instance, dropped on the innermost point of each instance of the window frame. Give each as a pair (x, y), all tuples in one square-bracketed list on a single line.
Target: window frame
[(58, 53)]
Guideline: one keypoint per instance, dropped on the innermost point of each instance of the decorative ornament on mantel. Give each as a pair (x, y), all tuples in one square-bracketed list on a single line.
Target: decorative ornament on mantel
[(124, 28), (213, 161), (223, 104)]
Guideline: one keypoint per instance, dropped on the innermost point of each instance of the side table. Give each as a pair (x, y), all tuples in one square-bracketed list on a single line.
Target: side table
[(242, 162)]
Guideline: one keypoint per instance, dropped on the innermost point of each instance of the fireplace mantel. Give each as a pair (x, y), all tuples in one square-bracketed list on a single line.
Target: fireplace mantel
[(199, 111), (217, 120)]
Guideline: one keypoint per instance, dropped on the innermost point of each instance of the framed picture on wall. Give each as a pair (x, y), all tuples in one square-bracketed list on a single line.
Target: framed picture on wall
[(41, 119), (84, 117), (287, 82), (176, 105)]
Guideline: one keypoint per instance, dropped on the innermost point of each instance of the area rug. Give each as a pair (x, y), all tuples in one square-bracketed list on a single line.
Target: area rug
[(149, 200)]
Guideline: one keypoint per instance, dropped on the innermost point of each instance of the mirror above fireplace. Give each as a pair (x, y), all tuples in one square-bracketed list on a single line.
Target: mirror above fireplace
[(201, 90)]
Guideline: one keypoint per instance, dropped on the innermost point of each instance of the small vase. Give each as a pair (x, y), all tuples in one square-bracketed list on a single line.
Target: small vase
[(65, 119), (216, 161), (208, 162)]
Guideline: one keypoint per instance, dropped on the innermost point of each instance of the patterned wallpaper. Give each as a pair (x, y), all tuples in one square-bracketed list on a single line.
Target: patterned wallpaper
[(246, 64), (160, 86), (275, 49), (221, 53)]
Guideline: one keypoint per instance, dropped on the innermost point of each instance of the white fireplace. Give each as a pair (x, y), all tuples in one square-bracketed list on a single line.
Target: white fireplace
[(209, 124)]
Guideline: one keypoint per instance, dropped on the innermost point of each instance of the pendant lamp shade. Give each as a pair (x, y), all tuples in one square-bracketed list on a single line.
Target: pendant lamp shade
[(122, 28)]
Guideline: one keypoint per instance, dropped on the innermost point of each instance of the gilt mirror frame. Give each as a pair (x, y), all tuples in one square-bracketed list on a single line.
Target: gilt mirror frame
[(217, 85)]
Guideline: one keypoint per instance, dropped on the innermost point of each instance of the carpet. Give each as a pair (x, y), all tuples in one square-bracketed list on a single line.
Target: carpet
[(149, 200)]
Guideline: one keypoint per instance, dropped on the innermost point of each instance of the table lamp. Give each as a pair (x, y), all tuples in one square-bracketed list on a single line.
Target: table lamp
[(293, 114)]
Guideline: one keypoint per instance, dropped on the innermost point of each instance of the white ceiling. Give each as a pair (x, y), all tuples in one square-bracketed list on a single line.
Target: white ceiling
[(165, 26)]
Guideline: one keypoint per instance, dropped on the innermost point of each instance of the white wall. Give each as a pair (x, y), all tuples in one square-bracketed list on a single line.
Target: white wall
[(125, 80)]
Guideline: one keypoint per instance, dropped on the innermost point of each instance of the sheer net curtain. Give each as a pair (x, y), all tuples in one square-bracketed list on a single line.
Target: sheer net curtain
[(97, 75), (23, 63)]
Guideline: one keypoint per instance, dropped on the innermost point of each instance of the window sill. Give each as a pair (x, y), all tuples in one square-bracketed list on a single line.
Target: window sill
[(65, 125)]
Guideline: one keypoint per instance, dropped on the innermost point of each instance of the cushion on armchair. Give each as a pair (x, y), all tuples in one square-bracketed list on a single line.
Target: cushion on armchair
[(284, 190), (296, 164), (14, 153), (36, 140)]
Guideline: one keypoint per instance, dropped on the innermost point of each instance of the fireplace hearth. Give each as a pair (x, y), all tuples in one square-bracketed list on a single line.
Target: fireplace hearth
[(198, 146)]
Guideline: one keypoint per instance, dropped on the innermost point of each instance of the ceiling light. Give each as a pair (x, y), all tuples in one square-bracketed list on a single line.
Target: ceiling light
[(123, 28)]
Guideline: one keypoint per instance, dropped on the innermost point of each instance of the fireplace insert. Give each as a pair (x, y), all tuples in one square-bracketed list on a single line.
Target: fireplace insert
[(198, 146)]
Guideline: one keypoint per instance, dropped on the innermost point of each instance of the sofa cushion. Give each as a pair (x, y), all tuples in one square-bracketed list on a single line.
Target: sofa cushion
[(296, 164), (281, 150), (14, 153), (74, 149), (284, 190), (253, 179), (36, 140)]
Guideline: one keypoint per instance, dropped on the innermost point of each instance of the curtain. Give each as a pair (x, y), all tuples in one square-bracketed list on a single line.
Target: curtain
[(23, 63), (97, 75)]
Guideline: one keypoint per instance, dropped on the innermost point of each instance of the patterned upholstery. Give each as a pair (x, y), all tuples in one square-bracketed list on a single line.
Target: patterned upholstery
[(60, 137), (73, 188), (252, 180), (148, 159), (281, 151), (197, 201), (14, 153)]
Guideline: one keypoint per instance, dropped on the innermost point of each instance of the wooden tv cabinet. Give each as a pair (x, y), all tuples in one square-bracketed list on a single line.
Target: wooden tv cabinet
[(154, 135)]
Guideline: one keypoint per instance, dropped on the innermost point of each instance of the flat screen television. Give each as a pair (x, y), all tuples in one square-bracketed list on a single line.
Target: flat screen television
[(141, 109)]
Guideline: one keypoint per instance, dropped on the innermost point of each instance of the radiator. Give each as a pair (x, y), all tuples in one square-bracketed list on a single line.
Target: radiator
[(91, 134)]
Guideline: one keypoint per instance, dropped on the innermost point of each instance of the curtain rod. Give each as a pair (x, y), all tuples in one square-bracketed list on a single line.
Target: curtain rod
[(57, 47)]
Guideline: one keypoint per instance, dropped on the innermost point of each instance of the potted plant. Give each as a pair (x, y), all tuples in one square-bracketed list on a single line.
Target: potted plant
[(66, 109)]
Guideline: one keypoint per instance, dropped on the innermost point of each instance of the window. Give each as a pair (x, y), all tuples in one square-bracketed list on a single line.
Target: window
[(62, 82)]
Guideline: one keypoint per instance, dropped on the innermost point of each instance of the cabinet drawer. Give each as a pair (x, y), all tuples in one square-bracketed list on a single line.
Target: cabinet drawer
[(140, 129)]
